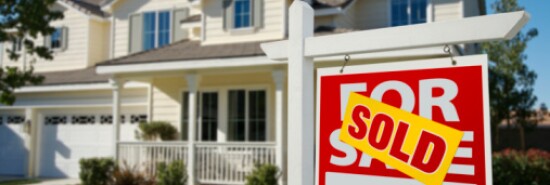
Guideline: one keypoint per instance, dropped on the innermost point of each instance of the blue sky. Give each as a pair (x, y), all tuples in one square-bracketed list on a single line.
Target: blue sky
[(538, 51)]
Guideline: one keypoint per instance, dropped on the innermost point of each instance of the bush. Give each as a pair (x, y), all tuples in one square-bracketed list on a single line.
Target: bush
[(171, 174), (527, 168), (126, 175), (96, 171), (266, 174), (154, 130)]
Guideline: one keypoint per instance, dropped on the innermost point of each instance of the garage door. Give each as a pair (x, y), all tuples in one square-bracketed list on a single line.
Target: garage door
[(66, 138), (13, 155)]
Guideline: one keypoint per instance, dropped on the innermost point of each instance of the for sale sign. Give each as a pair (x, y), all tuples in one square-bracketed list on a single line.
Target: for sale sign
[(416, 122)]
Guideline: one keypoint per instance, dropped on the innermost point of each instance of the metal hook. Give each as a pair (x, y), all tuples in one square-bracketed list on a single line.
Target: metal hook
[(347, 58), (447, 50)]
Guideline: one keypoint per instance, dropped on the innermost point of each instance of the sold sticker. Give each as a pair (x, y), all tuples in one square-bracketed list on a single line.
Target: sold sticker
[(414, 145)]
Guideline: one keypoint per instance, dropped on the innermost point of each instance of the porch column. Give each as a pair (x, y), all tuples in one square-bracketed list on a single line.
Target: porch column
[(116, 84), (279, 79), (30, 127), (192, 84)]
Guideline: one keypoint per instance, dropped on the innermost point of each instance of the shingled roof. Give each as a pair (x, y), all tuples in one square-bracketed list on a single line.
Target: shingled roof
[(90, 7), (81, 76)]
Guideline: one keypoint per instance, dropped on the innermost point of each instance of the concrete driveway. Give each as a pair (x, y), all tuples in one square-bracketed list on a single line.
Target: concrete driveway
[(59, 182)]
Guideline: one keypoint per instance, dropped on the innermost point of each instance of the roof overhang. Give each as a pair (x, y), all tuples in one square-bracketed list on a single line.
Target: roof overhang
[(90, 16), (76, 87), (257, 61)]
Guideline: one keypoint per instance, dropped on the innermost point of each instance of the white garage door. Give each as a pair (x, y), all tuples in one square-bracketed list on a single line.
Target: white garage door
[(13, 155), (66, 138)]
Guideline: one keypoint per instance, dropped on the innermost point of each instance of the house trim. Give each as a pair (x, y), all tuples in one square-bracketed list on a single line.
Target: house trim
[(90, 16), (76, 87)]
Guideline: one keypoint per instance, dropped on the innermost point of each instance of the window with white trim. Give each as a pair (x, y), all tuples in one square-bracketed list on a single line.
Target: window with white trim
[(243, 14), (57, 41), (407, 12), (156, 29)]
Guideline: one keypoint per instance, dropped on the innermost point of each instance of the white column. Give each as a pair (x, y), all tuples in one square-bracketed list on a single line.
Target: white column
[(30, 140), (301, 132), (116, 84), (192, 84), (279, 79)]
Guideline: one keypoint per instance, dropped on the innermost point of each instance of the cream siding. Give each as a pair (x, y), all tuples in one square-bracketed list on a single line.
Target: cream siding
[(447, 10), (272, 27), (74, 57), (98, 42), (124, 9)]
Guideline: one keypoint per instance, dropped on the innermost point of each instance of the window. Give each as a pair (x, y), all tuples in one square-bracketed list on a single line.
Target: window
[(247, 115), (156, 29), (56, 41), (17, 45), (209, 116), (406, 12), (242, 14)]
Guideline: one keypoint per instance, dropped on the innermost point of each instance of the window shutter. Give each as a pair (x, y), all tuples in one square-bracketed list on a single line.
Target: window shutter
[(136, 33), (227, 14), (65, 38), (177, 32), (48, 42), (258, 13)]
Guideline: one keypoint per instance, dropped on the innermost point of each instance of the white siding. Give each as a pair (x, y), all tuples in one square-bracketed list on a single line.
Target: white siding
[(272, 24), (125, 8), (74, 57)]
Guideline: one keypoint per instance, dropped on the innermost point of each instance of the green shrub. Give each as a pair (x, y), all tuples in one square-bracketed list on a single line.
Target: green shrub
[(511, 167), (154, 130), (96, 171), (171, 174), (126, 175), (266, 174)]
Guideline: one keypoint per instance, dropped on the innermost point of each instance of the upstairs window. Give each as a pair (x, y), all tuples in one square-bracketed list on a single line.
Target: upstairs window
[(17, 45), (243, 14), (156, 29), (57, 41), (407, 12)]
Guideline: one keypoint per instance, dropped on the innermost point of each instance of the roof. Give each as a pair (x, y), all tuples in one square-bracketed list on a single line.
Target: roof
[(191, 19), (90, 7), (320, 4), (81, 76), (193, 50)]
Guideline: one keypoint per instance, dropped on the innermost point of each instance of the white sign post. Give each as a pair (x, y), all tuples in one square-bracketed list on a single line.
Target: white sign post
[(302, 48)]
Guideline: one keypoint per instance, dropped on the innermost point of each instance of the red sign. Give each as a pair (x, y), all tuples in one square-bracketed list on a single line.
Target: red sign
[(453, 95)]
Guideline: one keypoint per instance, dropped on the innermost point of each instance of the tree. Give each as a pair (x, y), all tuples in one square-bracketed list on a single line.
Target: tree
[(23, 21), (510, 80)]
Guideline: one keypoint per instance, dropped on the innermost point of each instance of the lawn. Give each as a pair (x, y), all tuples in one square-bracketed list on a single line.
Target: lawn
[(20, 182)]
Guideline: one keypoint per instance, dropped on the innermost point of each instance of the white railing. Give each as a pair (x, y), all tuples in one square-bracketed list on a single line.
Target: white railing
[(230, 163), (146, 155), (215, 163)]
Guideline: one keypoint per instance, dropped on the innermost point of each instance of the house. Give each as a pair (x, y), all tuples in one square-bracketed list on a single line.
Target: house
[(165, 60), (535, 135)]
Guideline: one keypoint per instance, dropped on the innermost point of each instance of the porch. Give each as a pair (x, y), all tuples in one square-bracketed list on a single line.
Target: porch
[(237, 123), (215, 163)]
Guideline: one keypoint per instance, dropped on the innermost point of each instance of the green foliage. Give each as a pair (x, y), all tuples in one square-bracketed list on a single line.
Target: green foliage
[(126, 175), (510, 80), (27, 19), (527, 168), (154, 130), (171, 174), (12, 78), (96, 171), (24, 20), (266, 174)]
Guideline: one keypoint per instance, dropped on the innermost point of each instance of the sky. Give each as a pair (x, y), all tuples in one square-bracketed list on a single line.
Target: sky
[(538, 49)]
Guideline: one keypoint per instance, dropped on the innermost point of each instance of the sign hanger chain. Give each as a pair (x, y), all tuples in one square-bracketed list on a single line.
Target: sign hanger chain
[(347, 58), (447, 50)]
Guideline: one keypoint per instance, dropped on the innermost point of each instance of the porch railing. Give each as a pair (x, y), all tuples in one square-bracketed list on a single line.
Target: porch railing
[(215, 163), (146, 155)]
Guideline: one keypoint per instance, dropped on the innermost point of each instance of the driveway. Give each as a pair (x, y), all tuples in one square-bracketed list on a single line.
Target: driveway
[(59, 182)]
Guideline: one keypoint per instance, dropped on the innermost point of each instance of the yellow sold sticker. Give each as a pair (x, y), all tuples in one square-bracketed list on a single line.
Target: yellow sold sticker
[(416, 146)]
